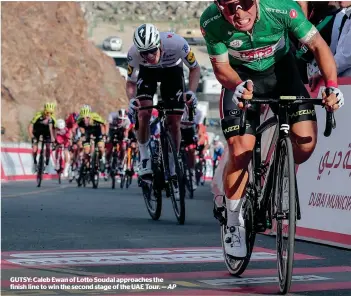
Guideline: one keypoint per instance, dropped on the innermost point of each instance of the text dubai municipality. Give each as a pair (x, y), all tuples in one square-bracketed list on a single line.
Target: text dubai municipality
[(126, 257)]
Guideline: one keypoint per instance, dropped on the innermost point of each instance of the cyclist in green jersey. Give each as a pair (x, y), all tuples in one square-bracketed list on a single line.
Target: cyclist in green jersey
[(248, 44)]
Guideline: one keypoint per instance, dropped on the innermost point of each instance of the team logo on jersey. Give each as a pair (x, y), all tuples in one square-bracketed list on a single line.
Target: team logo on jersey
[(130, 70), (185, 48), (203, 32), (236, 43), (293, 13), (190, 57)]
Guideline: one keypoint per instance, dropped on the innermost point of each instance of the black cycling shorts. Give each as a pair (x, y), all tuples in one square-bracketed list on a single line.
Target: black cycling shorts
[(38, 132), (132, 136), (94, 132), (282, 79), (188, 135), (172, 86)]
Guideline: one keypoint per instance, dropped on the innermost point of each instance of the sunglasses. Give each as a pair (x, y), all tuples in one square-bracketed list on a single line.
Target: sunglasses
[(231, 7), (146, 53), (48, 113)]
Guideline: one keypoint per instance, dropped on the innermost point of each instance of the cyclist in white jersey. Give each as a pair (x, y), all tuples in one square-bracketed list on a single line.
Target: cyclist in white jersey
[(158, 57), (189, 136)]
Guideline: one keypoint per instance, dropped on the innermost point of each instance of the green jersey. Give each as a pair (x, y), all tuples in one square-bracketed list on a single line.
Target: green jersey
[(266, 44)]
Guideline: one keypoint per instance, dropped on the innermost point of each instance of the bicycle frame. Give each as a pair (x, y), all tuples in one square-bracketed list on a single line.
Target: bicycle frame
[(281, 121)]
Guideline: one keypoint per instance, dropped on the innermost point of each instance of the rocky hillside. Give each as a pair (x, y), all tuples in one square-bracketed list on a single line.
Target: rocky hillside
[(46, 57), (115, 11)]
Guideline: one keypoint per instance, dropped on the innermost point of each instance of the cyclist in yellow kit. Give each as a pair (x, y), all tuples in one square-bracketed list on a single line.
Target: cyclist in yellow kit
[(92, 124), (42, 124)]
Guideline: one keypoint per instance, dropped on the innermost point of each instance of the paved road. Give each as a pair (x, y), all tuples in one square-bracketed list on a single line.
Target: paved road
[(83, 236)]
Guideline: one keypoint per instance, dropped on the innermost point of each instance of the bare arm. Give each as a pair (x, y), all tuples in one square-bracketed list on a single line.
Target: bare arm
[(225, 74), (324, 58), (194, 77), (52, 133), (131, 89), (30, 130)]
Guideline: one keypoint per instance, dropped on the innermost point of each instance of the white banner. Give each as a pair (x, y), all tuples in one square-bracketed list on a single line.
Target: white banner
[(324, 181)]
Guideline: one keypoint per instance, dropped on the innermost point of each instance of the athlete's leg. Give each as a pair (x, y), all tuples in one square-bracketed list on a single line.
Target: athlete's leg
[(145, 92)]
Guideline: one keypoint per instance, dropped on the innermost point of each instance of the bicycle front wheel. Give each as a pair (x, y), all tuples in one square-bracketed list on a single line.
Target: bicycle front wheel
[(40, 169), (237, 266), (176, 183), (285, 214), (94, 170)]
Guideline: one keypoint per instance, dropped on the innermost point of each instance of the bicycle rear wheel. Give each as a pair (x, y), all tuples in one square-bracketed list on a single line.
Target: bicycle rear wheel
[(285, 214), (178, 205), (188, 178)]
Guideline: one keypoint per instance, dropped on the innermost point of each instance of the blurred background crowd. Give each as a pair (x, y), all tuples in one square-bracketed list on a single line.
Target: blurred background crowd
[(333, 21)]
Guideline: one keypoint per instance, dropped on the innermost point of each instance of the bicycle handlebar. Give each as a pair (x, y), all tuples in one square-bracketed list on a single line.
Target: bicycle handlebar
[(330, 123), (159, 108)]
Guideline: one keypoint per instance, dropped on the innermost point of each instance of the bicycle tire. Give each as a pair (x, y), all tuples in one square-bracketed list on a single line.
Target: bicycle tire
[(148, 191), (81, 177), (188, 180), (113, 169), (237, 266), (128, 181), (198, 173), (179, 212), (154, 188), (285, 267), (123, 180), (94, 171), (40, 167)]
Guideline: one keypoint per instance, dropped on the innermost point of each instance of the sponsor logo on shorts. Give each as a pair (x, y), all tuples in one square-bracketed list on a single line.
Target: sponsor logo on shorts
[(234, 112), (234, 128), (303, 112)]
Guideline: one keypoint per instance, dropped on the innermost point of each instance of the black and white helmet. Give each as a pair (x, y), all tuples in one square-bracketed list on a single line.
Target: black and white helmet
[(146, 37)]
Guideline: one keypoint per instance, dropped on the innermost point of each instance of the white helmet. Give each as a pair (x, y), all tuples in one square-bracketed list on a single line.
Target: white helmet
[(121, 114), (146, 37), (60, 124), (216, 138)]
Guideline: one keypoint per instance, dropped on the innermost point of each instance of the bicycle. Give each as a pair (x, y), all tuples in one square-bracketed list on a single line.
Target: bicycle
[(128, 167), (162, 178), (84, 174), (40, 168), (264, 202), (94, 164), (188, 175), (114, 160)]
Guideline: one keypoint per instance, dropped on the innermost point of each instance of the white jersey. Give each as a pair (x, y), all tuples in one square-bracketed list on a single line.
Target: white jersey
[(112, 120), (174, 51), (198, 118)]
